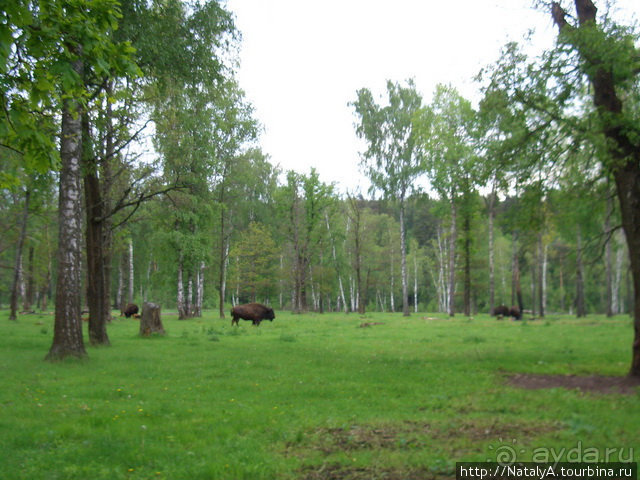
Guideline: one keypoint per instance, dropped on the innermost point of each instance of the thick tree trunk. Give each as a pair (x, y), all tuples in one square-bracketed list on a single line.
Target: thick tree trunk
[(67, 335), (17, 271), (151, 322), (96, 279)]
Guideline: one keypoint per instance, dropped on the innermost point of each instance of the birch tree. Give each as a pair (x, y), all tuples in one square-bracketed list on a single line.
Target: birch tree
[(392, 160)]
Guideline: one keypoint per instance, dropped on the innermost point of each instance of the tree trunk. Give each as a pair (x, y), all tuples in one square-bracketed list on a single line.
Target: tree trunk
[(200, 290), (30, 290), (608, 257), (545, 262), (415, 282), (467, 263), (67, 335), (17, 271), (182, 314), (403, 263), (625, 154), (188, 304), (150, 322), (452, 258), (336, 265), (131, 290), (581, 310), (96, 279), (516, 289), (392, 277), (224, 255), (492, 288), (541, 276)]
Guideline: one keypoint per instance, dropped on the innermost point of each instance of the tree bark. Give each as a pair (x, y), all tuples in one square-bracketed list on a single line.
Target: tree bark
[(94, 237), (182, 314), (130, 258), (17, 271), (67, 335), (151, 322)]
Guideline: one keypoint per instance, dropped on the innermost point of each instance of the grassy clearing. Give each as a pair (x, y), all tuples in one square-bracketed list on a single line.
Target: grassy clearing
[(311, 396)]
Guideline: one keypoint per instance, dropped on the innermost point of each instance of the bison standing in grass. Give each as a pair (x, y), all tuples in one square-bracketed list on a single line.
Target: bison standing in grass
[(131, 310), (256, 312), (504, 311), (501, 311)]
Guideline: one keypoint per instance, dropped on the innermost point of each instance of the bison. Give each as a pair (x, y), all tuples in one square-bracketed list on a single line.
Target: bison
[(515, 313), (131, 309), (256, 312), (504, 311), (501, 311)]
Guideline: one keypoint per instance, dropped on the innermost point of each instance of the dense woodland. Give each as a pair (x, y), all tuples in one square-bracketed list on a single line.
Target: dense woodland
[(533, 199)]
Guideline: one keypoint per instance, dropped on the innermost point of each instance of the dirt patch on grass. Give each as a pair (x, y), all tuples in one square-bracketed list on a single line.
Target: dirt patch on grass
[(346, 472), (459, 437), (479, 431), (370, 324), (592, 383), (410, 435)]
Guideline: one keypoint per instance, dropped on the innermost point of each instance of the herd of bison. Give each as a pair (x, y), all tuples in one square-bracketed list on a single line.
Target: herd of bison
[(256, 312)]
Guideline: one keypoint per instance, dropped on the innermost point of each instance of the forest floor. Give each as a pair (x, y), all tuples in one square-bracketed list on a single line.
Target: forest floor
[(316, 397)]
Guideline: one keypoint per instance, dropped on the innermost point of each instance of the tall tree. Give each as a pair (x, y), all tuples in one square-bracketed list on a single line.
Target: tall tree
[(392, 160), (302, 203), (446, 136)]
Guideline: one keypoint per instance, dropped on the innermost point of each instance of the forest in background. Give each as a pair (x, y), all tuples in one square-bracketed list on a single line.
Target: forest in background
[(531, 190)]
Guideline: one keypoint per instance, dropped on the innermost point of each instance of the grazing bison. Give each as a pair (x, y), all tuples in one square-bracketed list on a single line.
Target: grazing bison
[(256, 312), (514, 312), (501, 311), (131, 309)]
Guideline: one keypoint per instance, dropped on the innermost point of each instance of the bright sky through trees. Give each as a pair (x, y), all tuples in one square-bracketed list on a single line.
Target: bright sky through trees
[(302, 62)]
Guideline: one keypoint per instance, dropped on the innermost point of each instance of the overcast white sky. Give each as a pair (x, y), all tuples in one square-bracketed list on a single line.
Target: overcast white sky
[(302, 62)]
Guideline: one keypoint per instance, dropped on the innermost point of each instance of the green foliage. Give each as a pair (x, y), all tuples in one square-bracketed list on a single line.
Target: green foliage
[(40, 42), (253, 263), (392, 160), (305, 392)]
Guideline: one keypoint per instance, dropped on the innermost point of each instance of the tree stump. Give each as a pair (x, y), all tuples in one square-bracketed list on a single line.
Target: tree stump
[(150, 322)]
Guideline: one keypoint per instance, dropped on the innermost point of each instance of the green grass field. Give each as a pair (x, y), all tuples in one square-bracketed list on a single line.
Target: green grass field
[(308, 397)]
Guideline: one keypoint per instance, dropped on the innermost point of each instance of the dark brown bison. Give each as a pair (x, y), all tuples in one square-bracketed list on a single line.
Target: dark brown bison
[(131, 309), (501, 311), (256, 312), (514, 312)]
